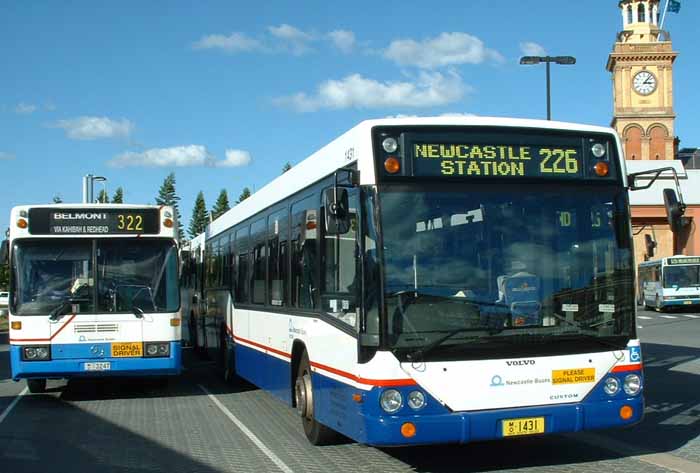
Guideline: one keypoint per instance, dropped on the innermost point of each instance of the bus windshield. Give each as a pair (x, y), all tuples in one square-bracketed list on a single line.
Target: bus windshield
[(488, 263), (682, 276), (130, 274)]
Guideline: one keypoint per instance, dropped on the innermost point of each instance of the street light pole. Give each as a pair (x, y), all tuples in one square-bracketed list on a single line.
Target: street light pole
[(564, 60)]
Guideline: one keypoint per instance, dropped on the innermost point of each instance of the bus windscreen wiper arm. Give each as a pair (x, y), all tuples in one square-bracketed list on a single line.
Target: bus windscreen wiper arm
[(137, 311), (416, 355)]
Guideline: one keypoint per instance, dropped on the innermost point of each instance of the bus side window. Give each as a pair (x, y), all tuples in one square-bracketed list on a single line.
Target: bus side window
[(304, 253), (241, 265), (278, 254), (258, 261)]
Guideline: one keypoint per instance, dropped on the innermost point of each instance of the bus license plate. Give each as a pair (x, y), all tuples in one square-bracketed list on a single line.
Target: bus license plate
[(687, 302), (98, 366), (127, 350), (524, 426)]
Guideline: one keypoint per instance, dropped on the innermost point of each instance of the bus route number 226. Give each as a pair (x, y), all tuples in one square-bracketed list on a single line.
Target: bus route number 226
[(558, 161), (130, 223)]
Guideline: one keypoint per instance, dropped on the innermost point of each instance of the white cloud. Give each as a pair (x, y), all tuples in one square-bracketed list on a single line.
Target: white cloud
[(95, 128), (528, 48), (343, 40), (293, 39), (444, 50), (177, 156), (457, 114), (234, 43), (235, 158), (4, 156), (25, 108), (355, 91)]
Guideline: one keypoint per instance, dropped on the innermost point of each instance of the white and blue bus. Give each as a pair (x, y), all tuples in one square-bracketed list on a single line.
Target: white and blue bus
[(433, 280), (93, 292), (671, 282)]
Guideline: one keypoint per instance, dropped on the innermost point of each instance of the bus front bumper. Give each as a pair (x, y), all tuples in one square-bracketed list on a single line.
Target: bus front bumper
[(92, 367), (462, 427)]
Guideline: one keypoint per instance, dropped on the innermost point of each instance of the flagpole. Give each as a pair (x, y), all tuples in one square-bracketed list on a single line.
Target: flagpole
[(663, 17)]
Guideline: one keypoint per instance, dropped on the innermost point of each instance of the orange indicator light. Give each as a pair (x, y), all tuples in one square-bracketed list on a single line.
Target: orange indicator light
[(174, 322), (601, 168), (168, 223), (357, 397), (408, 430), (626, 412), (16, 325), (392, 165), (21, 223)]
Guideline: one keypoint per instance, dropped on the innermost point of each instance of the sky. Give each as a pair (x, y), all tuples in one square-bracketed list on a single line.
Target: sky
[(224, 93)]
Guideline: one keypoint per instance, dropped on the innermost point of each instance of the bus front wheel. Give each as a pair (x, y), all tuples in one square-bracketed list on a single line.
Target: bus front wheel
[(316, 433), (659, 306), (36, 386)]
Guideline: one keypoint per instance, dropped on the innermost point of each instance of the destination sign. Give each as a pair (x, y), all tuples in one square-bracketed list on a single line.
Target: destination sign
[(672, 261), (495, 160), (93, 221)]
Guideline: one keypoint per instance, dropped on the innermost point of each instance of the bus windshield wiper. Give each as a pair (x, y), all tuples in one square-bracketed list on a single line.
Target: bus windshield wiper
[(56, 313), (137, 311), (421, 352)]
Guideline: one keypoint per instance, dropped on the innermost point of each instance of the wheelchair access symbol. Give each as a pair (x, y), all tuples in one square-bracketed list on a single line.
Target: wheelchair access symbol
[(635, 354)]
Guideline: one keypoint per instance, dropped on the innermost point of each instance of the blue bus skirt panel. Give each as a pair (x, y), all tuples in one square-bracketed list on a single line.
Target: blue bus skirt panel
[(690, 302), (366, 422), (69, 361)]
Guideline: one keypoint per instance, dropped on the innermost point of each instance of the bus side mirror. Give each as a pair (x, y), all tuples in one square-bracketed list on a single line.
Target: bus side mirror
[(650, 245), (4, 250), (337, 213), (674, 210)]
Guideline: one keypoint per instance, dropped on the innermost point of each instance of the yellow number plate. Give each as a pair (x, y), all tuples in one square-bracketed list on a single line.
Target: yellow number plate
[(524, 426), (687, 302), (127, 350)]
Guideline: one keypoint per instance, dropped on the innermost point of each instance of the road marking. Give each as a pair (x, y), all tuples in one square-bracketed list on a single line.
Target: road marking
[(668, 316), (6, 412), (691, 316), (258, 443), (644, 317), (662, 460)]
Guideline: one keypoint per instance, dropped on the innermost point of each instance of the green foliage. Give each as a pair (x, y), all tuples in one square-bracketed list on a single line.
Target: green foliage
[(244, 195), (200, 219), (118, 196), (4, 276), (287, 166), (103, 198), (57, 199), (221, 205), (168, 196)]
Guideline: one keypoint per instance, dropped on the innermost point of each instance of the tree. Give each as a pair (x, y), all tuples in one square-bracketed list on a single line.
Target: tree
[(287, 166), (4, 276), (221, 205), (118, 196), (199, 220), (57, 199), (103, 198), (168, 196), (244, 195)]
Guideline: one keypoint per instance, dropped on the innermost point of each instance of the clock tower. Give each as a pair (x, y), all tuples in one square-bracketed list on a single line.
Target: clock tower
[(642, 67)]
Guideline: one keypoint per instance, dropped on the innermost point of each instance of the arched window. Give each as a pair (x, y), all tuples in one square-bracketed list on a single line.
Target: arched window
[(633, 143), (641, 13), (657, 142), (629, 14)]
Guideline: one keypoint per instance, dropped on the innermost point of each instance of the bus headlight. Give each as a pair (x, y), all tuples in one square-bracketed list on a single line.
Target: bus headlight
[(612, 386), (632, 384), (390, 145), (598, 150), (391, 400), (416, 400), (36, 353), (152, 349)]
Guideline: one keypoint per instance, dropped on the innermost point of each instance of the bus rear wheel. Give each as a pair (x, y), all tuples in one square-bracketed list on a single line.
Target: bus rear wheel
[(316, 433), (36, 386), (659, 307)]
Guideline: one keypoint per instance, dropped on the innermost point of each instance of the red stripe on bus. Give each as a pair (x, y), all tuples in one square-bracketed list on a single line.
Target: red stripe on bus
[(330, 369), (44, 339), (623, 368)]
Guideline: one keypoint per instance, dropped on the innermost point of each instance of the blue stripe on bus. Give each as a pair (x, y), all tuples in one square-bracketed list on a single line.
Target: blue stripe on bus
[(366, 422), (67, 367)]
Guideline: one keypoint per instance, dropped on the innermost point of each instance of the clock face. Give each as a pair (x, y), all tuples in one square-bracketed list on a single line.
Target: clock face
[(644, 83)]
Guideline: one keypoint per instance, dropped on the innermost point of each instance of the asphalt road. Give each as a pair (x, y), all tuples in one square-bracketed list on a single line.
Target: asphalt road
[(198, 424)]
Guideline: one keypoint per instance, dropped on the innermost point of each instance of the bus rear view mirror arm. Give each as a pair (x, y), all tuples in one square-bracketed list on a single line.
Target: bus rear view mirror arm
[(675, 207)]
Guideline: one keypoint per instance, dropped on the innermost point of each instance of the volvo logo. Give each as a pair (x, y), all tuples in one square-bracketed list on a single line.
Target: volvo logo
[(520, 362)]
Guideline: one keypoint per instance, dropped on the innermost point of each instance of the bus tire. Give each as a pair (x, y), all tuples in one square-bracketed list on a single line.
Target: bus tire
[(36, 386), (658, 306), (316, 433)]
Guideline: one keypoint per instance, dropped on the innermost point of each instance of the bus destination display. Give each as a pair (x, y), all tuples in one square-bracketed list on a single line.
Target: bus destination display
[(44, 221), (675, 261), (496, 160)]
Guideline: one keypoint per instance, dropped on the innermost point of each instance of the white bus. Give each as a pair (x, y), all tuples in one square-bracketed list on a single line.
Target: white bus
[(433, 280), (671, 282), (93, 292)]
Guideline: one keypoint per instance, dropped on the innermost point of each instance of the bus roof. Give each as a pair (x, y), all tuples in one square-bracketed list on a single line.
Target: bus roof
[(678, 259), (335, 155)]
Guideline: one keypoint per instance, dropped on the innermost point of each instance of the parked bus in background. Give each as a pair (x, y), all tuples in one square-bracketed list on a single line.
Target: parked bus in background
[(671, 282), (434, 280), (93, 292)]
